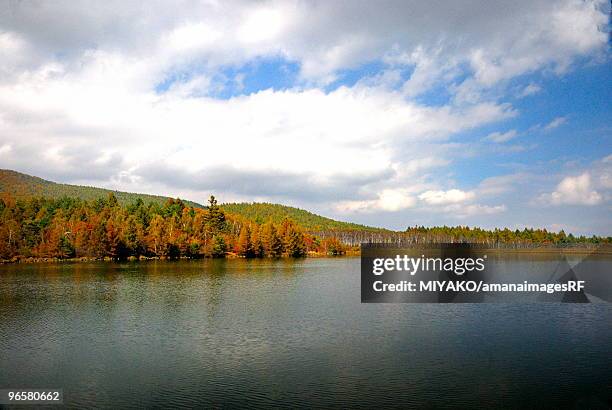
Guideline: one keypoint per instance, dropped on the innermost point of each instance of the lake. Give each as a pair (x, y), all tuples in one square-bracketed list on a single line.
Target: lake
[(264, 333)]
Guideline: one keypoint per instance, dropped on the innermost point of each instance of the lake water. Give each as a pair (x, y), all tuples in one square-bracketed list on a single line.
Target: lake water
[(271, 333)]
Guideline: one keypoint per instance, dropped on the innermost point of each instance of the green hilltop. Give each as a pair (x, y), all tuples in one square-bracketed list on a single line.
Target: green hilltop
[(261, 212), (23, 186)]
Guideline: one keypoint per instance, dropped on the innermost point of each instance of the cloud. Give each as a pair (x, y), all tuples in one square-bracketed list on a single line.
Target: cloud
[(495, 186), (574, 190), (603, 171), (530, 89), (451, 196), (5, 149), (146, 96), (324, 37), (359, 129), (500, 137), (457, 203), (389, 200), (557, 227), (263, 183), (557, 122), (463, 211)]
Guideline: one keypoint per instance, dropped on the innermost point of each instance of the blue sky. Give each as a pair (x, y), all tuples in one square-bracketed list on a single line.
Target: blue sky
[(391, 114)]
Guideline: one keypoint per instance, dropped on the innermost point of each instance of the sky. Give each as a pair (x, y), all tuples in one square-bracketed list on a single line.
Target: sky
[(388, 113)]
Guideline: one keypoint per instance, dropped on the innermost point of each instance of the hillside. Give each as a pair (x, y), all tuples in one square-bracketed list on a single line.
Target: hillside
[(262, 212), (23, 186)]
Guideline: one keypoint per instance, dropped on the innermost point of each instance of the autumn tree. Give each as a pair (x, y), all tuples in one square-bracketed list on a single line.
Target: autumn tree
[(272, 243), (156, 235), (134, 236), (294, 242), (332, 246), (67, 227), (115, 247), (244, 246), (258, 249)]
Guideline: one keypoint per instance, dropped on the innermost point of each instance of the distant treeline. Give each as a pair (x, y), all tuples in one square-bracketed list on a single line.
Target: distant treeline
[(103, 228), (497, 238)]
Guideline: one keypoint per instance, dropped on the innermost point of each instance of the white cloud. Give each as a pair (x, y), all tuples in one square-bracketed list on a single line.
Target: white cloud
[(323, 37), (530, 89), (429, 67), (557, 227), (570, 27), (604, 172), (389, 200), (129, 87), (574, 190), (557, 122), (5, 149), (494, 186), (463, 211), (500, 137), (104, 108), (451, 196), (394, 200)]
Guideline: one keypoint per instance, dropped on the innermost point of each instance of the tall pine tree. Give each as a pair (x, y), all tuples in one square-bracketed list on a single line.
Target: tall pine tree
[(215, 218)]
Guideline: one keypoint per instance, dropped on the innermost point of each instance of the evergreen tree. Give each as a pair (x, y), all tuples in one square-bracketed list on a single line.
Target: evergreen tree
[(215, 218), (133, 236), (66, 227), (218, 247), (66, 249), (111, 200)]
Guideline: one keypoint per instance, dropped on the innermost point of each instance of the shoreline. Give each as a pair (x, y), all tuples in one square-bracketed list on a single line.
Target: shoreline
[(85, 259), (606, 251)]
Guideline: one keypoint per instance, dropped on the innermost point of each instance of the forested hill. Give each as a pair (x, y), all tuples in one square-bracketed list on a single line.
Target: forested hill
[(261, 212), (42, 219), (23, 186)]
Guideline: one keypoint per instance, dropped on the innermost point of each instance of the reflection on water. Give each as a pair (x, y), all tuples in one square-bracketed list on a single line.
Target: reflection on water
[(264, 333)]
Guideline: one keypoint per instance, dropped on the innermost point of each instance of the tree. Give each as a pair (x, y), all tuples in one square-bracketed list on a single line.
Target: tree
[(218, 247), (293, 239), (133, 236), (10, 233), (115, 248), (193, 250), (65, 227), (112, 200), (97, 238), (258, 249), (215, 218), (333, 246), (66, 249), (156, 235), (272, 244), (244, 247)]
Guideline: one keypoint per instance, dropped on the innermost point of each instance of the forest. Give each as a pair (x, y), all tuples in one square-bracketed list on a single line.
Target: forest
[(103, 228), (68, 227)]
